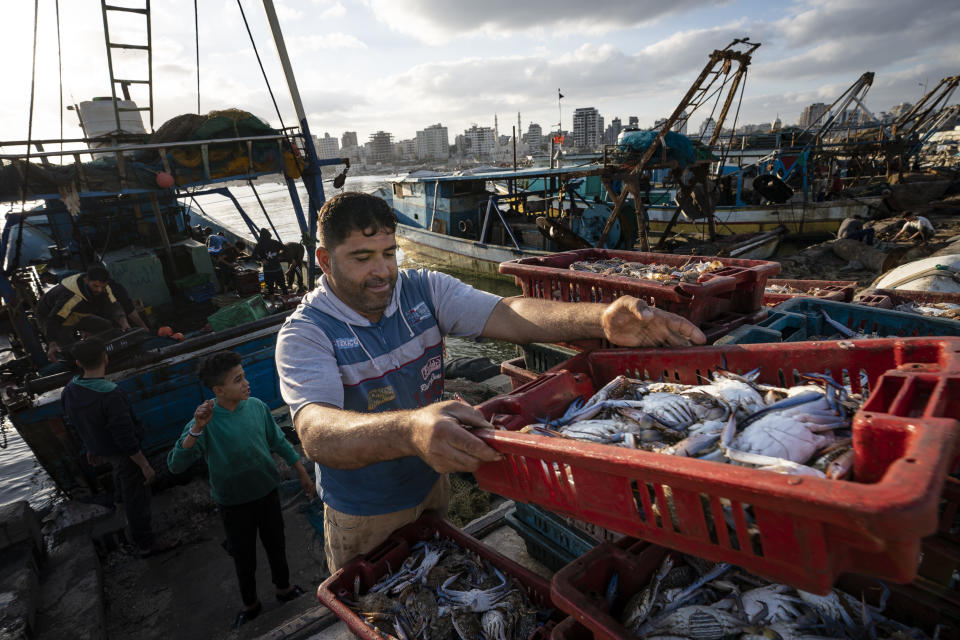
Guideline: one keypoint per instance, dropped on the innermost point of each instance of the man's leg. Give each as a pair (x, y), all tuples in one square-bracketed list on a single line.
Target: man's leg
[(270, 523), (281, 282), (136, 500), (240, 527), (346, 536)]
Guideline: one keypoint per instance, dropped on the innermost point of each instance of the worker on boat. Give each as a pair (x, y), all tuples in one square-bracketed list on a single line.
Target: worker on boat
[(101, 414), (269, 252), (360, 364), (216, 243), (294, 254), (126, 303), (82, 302), (853, 229), (917, 226)]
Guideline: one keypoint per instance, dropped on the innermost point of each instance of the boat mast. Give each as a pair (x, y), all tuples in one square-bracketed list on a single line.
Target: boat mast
[(312, 178)]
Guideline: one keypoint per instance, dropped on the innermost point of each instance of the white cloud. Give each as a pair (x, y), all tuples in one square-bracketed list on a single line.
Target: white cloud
[(329, 9), (317, 42), (439, 21)]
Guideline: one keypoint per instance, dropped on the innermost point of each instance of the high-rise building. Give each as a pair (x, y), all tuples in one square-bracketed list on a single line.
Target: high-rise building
[(611, 132), (327, 146), (681, 125), (433, 143), (707, 128), (349, 139), (900, 109), (633, 122), (481, 141), (380, 147), (534, 138), (408, 150), (587, 128), (811, 114)]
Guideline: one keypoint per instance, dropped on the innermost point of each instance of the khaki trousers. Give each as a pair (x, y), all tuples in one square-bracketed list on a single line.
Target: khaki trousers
[(346, 536)]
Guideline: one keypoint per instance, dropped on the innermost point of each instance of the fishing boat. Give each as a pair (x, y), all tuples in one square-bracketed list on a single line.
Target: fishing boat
[(120, 199), (471, 222)]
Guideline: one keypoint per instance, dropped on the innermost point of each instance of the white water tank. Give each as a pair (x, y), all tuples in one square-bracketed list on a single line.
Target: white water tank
[(99, 119)]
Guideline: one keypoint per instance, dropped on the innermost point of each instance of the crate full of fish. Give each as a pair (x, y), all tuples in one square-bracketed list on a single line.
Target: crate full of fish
[(640, 590), (814, 319), (937, 304), (797, 461), (778, 291), (698, 288), (432, 580)]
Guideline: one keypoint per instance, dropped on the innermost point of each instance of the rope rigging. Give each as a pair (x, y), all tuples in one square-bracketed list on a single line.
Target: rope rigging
[(196, 36)]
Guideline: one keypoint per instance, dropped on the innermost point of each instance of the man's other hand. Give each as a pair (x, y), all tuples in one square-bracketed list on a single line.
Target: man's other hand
[(202, 415), (630, 322), (441, 438), (149, 475)]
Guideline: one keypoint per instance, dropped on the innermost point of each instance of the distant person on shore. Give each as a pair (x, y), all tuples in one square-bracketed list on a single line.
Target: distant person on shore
[(82, 302), (360, 364), (269, 252), (236, 434), (853, 229), (917, 226), (104, 419)]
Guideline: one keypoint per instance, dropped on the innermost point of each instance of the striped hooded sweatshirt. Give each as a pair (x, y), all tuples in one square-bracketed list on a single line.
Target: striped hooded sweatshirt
[(328, 353)]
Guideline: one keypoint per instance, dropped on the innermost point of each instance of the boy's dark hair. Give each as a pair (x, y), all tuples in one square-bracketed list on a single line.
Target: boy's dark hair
[(98, 273), (89, 353), (214, 367), (354, 211)]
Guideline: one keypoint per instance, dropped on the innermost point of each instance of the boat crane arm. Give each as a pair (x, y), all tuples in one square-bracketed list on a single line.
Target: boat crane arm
[(627, 321)]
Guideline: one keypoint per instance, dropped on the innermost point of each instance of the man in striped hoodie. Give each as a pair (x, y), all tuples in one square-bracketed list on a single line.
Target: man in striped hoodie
[(361, 365)]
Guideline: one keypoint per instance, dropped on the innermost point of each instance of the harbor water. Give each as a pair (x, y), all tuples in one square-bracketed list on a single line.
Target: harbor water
[(22, 476)]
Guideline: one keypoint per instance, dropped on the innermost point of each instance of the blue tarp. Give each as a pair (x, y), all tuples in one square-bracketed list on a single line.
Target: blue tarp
[(679, 147)]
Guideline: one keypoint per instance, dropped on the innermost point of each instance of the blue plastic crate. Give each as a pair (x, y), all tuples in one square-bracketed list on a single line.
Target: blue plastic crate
[(538, 546), (555, 529), (803, 319), (201, 293)]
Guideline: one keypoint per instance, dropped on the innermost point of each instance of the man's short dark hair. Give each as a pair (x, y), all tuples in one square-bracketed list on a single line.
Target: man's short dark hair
[(98, 273), (89, 353), (352, 211), (213, 369)]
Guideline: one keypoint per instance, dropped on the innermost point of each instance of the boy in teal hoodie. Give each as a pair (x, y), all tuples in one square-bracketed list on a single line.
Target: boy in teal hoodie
[(236, 434)]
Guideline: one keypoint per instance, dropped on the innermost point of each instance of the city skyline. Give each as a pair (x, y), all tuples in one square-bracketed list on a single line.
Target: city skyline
[(401, 66)]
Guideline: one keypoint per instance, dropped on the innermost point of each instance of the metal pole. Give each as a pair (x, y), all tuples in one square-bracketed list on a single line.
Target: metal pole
[(312, 178)]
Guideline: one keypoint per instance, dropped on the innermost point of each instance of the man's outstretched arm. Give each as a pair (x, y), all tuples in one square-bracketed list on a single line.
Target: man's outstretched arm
[(438, 434), (627, 321)]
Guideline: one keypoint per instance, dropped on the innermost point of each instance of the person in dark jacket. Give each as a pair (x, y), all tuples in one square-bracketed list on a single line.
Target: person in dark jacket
[(104, 419), (83, 302), (269, 252)]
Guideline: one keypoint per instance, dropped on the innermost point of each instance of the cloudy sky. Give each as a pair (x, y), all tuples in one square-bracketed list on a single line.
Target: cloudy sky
[(400, 65)]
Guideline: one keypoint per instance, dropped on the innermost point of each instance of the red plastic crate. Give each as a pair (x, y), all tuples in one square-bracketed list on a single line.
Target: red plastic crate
[(579, 590), (808, 530), (369, 568), (738, 288), (840, 290), (517, 372), (890, 298)]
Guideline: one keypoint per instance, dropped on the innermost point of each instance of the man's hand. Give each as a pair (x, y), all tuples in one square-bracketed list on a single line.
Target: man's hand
[(148, 473), (440, 437), (630, 322), (309, 488), (53, 351), (202, 415)]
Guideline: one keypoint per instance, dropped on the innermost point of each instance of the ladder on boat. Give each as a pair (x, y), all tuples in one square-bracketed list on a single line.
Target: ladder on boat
[(107, 10)]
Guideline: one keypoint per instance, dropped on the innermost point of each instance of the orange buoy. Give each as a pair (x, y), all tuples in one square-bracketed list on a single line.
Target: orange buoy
[(177, 336), (163, 332), (164, 180)]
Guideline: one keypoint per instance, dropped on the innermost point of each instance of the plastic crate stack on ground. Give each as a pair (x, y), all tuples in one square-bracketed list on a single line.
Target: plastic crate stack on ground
[(549, 539), (812, 319), (803, 531), (717, 302), (891, 298), (583, 590), (355, 579), (778, 291)]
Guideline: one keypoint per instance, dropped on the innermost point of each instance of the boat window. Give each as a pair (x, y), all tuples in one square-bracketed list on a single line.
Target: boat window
[(397, 190), (408, 189), (418, 188)]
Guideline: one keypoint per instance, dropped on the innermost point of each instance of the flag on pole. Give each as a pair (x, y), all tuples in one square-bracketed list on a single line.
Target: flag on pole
[(558, 139), (559, 95)]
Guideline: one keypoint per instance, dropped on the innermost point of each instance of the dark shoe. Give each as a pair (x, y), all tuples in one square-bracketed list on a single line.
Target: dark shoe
[(247, 615), (162, 545), (293, 594)]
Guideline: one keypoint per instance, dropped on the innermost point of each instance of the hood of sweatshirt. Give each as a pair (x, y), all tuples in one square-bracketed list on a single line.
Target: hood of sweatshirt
[(87, 391), (322, 298)]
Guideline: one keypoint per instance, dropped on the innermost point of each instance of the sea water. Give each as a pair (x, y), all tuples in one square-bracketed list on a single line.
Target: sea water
[(22, 476)]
